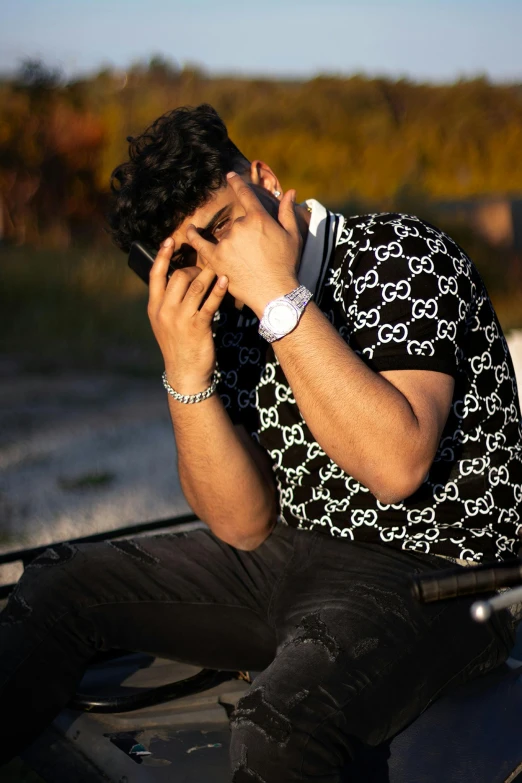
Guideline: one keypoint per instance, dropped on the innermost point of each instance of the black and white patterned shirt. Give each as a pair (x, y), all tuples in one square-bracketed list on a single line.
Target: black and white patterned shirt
[(404, 296)]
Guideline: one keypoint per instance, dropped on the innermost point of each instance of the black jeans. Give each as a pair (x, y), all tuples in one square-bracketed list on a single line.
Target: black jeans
[(348, 656)]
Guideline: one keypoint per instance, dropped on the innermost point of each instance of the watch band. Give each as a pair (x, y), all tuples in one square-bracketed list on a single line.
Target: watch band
[(298, 299)]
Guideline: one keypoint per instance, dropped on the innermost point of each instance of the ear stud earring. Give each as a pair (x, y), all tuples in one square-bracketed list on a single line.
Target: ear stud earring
[(277, 193)]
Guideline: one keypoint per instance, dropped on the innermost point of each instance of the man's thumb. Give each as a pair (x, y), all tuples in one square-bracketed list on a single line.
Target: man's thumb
[(287, 217)]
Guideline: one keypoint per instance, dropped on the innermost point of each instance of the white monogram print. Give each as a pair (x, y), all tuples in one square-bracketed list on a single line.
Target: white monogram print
[(446, 329), (397, 333), (420, 265), (369, 319), (448, 285), (392, 291), (420, 349), (424, 309), (384, 252), (402, 295), (370, 280)]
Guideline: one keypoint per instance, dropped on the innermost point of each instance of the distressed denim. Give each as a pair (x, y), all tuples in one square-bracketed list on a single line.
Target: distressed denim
[(347, 656)]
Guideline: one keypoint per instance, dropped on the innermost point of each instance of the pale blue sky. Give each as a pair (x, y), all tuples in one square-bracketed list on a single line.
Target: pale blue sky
[(422, 39)]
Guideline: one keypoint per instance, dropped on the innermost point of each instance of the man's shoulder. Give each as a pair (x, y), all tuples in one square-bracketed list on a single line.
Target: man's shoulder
[(400, 224), (396, 235)]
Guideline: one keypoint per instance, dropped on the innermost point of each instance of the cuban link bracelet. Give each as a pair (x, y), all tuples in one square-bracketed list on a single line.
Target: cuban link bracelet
[(190, 399)]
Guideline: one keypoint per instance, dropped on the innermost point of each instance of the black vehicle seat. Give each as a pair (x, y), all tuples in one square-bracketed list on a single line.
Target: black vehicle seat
[(473, 734)]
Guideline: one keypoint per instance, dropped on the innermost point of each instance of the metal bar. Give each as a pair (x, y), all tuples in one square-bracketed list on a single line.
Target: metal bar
[(122, 532), (482, 610)]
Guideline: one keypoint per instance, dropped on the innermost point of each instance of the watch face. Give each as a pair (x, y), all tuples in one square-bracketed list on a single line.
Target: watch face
[(282, 317)]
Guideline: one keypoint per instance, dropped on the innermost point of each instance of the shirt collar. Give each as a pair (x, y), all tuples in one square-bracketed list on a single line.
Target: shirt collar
[(323, 233)]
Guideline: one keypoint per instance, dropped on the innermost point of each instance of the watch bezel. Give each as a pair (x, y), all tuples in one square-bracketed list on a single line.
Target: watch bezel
[(287, 306)]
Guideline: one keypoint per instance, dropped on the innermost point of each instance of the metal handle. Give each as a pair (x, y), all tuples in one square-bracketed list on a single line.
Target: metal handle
[(482, 610), (467, 581)]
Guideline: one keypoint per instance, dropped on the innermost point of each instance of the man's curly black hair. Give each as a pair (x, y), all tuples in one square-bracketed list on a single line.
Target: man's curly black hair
[(174, 166)]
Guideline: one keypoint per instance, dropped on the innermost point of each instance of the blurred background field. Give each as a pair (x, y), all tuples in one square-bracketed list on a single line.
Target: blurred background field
[(449, 153), (77, 308)]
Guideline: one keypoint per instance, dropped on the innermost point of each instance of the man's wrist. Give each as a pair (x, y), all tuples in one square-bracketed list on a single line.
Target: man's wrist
[(267, 295), (282, 315), (188, 384)]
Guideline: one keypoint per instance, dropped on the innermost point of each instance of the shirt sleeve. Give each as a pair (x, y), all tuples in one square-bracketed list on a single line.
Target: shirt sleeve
[(407, 295)]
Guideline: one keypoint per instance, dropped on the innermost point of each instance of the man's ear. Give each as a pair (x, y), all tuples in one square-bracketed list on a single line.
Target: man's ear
[(261, 174)]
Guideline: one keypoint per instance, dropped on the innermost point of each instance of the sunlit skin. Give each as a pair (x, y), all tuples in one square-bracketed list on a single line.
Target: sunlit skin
[(215, 218), (381, 428)]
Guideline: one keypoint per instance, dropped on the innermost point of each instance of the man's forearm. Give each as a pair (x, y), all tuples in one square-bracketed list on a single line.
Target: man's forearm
[(219, 476), (362, 421)]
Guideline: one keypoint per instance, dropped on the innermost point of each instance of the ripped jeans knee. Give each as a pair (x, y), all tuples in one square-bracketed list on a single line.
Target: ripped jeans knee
[(274, 724), (272, 741), (259, 730)]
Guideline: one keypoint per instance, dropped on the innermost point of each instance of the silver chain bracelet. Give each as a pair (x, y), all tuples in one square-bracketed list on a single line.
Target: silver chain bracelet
[(189, 399)]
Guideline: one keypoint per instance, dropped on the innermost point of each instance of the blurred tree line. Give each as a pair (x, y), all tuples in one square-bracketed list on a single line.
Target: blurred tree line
[(343, 140), (356, 143)]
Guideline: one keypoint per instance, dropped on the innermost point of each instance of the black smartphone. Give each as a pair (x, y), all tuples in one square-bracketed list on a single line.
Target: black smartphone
[(141, 260)]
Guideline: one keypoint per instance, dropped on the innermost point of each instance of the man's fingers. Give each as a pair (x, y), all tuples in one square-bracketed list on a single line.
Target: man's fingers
[(179, 283), (203, 247), (213, 301), (197, 289), (246, 196), (158, 274), (287, 217)]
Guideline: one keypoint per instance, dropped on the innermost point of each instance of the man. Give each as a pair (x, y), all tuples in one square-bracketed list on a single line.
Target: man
[(366, 429)]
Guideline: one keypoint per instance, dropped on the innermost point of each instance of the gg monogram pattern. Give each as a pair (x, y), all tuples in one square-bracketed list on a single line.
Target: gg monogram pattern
[(404, 296)]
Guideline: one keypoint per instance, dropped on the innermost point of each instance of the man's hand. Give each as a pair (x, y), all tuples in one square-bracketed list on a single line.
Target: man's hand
[(259, 255), (181, 324)]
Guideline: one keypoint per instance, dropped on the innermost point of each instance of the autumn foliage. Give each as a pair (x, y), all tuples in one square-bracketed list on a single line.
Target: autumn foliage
[(354, 143), (342, 140)]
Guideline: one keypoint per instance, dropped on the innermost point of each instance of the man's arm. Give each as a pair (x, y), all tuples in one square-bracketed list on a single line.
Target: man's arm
[(383, 429), (226, 479), (222, 475)]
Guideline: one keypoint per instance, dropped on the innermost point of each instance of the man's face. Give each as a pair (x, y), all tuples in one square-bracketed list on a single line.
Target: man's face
[(215, 218)]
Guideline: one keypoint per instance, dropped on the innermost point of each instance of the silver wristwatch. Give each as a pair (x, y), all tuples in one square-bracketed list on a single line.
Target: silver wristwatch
[(282, 315)]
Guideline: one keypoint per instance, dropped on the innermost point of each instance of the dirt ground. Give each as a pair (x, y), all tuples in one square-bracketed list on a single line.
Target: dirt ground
[(80, 455)]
